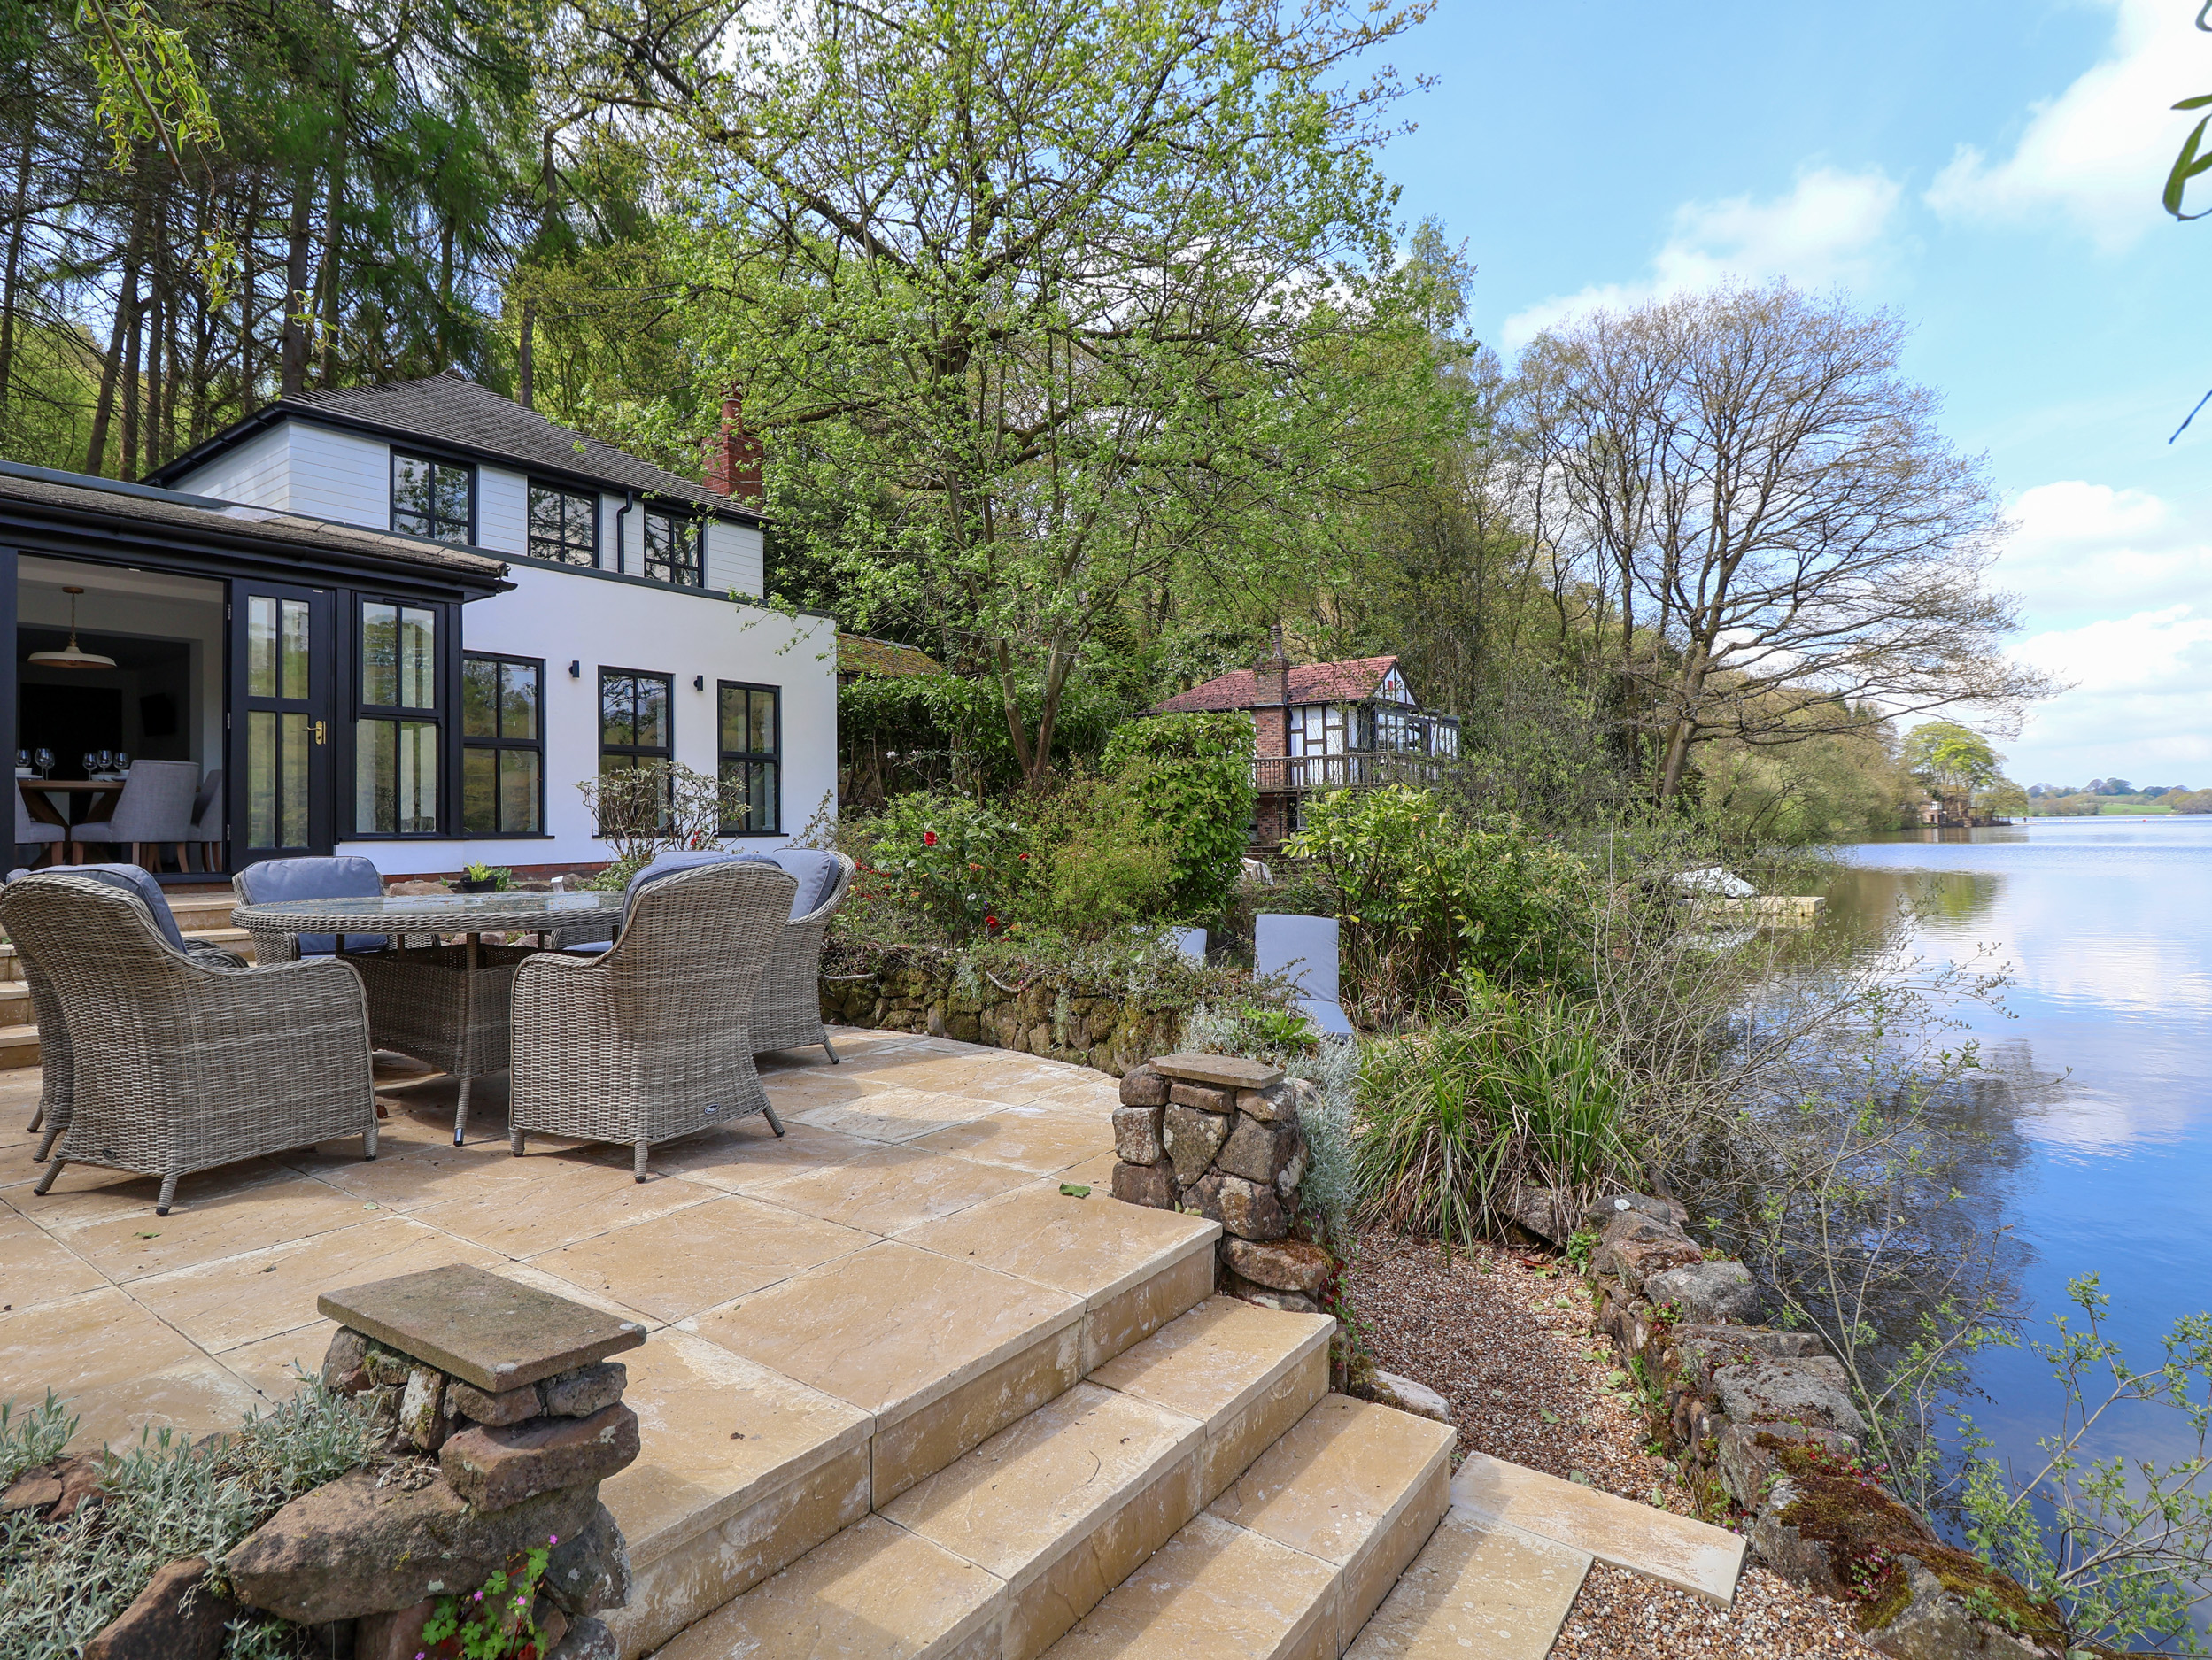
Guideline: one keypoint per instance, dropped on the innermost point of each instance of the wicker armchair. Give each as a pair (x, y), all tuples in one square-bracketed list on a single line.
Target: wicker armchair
[(787, 1003), (651, 1038), (180, 1064)]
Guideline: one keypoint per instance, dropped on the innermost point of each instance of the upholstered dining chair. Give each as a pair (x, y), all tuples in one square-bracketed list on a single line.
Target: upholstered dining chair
[(207, 820), (154, 810), (274, 881), (32, 832)]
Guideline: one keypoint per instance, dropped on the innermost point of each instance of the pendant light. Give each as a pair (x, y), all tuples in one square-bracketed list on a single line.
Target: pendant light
[(72, 655)]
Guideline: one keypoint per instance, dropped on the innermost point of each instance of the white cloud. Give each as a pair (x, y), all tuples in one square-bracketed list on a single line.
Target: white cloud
[(2085, 549), (2097, 152), (1827, 229)]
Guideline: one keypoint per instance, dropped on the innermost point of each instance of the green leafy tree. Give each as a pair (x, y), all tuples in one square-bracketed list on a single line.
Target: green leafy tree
[(1061, 299), (1949, 758), (1193, 773)]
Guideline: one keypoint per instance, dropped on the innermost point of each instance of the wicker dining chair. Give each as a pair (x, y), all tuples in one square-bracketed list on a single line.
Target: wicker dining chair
[(180, 1064), (56, 1054), (787, 1003), (651, 1039)]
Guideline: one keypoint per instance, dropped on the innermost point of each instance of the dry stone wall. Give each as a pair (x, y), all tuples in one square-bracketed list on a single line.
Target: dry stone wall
[(1046, 1016), (1765, 1426)]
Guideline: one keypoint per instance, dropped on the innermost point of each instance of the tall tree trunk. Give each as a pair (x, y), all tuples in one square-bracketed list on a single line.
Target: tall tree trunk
[(126, 317), (248, 292), (17, 214), (133, 384), (292, 373), (526, 357), (331, 248)]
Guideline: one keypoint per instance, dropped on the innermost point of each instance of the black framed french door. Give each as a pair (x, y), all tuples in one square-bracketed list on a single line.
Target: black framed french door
[(283, 726)]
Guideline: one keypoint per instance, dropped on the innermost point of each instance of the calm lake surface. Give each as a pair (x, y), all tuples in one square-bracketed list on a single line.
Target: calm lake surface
[(2096, 1093)]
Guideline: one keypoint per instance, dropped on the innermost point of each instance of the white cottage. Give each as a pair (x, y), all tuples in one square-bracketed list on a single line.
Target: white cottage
[(405, 621)]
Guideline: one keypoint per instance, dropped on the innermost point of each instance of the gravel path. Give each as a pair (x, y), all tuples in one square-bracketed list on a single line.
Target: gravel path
[(1506, 1337)]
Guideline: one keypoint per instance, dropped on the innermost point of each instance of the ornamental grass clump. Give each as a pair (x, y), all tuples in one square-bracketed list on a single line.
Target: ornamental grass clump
[(163, 1500), (1504, 1089)]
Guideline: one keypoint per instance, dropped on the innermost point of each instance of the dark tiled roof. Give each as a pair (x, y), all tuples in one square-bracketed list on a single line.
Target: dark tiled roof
[(455, 408), (859, 654), (80, 494), (1346, 682)]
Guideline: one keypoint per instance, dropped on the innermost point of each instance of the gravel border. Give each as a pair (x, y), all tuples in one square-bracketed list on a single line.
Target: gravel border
[(1507, 1337)]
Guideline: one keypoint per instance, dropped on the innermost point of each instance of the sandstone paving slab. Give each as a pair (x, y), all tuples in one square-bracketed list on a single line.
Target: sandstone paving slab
[(890, 1328), (484, 1328), (1246, 1373), (577, 1202), (673, 1266), (17, 1166), (234, 1301), (1095, 1173), (119, 1368), (747, 1156), (874, 1591), (887, 1188), (1222, 1071), (1355, 1484), (1690, 1556), (896, 1112), (1135, 1268), (1213, 1589), (34, 1268), (267, 1364), (1477, 1589), (1038, 1139), (719, 1433), (445, 1172), (1061, 1505), (208, 1222), (83, 1195)]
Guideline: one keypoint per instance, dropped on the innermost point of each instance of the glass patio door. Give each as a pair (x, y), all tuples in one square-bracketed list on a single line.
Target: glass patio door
[(282, 736)]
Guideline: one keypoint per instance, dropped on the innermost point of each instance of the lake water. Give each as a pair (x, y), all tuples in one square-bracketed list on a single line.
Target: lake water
[(2098, 1100)]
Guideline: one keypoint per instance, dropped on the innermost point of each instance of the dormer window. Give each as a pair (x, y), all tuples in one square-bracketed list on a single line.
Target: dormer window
[(672, 549), (563, 525), (430, 499)]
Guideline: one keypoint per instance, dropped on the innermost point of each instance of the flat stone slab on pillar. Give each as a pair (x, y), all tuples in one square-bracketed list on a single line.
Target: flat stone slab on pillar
[(1223, 1071), (482, 1329)]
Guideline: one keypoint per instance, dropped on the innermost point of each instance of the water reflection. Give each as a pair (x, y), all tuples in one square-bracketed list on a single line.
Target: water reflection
[(2093, 1086)]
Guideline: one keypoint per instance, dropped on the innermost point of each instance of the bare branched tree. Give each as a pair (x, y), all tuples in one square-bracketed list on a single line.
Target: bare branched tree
[(1765, 519)]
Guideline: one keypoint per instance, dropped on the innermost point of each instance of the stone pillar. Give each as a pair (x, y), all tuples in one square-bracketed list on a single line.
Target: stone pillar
[(1223, 1137), (506, 1414)]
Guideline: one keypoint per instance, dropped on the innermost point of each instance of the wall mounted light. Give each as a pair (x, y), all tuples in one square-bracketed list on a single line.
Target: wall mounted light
[(575, 668), (699, 683)]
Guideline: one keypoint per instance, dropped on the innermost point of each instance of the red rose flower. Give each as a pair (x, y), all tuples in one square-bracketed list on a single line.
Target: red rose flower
[(929, 839)]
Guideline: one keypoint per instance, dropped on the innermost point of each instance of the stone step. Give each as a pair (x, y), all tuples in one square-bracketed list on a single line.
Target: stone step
[(1294, 1556), (832, 1393), (1054, 1510), (19, 1047), (1477, 1589), (1689, 1555)]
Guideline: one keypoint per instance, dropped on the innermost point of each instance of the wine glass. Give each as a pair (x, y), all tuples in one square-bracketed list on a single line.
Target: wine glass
[(107, 763), (92, 764), (122, 761), (43, 759)]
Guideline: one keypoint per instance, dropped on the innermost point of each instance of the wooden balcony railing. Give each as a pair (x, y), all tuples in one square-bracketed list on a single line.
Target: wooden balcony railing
[(1360, 769)]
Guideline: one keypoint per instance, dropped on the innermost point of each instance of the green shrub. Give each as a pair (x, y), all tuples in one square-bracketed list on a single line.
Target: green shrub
[(1424, 893), (1511, 1087), (1096, 861), (165, 1498), (957, 862), (1193, 773)]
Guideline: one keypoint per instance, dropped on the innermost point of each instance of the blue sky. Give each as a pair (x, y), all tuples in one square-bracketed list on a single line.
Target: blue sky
[(1990, 174)]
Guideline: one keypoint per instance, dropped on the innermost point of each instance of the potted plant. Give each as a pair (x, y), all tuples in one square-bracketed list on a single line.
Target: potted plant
[(484, 879)]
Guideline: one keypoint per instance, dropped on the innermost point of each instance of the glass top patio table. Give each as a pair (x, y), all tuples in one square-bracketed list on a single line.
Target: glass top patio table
[(432, 914)]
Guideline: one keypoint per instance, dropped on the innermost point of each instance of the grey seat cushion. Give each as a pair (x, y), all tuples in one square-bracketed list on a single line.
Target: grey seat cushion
[(279, 881), (668, 864), (817, 873)]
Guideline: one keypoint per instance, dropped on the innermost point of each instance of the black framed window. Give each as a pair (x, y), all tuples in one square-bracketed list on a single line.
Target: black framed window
[(750, 739), (396, 721), (432, 498), (637, 730), (564, 525), (502, 746), (672, 549)]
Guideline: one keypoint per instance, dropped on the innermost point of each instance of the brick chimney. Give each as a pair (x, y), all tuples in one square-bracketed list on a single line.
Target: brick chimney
[(733, 459), (1271, 685), (1271, 676)]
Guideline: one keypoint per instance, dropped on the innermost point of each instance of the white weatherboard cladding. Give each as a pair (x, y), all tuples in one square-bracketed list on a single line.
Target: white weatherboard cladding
[(502, 511), (563, 616), (337, 475), (258, 473), (734, 557)]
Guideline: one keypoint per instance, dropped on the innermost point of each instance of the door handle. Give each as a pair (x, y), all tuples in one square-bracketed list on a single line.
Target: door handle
[(321, 737)]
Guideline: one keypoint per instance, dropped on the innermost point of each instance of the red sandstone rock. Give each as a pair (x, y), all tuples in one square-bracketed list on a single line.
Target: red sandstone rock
[(495, 1468), (174, 1619)]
